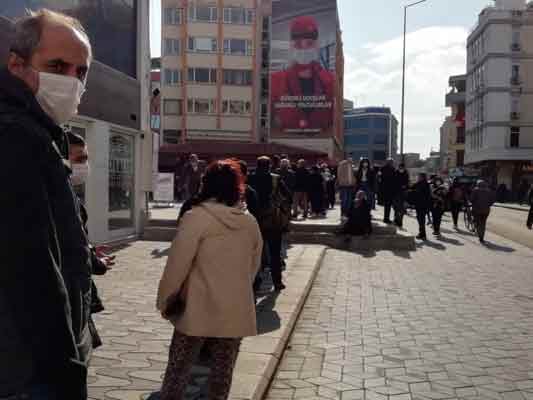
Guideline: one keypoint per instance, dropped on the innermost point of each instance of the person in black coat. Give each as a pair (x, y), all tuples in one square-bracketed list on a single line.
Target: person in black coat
[(45, 277), (359, 221), (366, 181), (439, 195), (421, 198), (529, 222), (316, 192), (389, 188), (402, 182)]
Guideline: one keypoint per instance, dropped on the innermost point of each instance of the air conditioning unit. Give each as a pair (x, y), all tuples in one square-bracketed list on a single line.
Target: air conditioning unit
[(515, 115)]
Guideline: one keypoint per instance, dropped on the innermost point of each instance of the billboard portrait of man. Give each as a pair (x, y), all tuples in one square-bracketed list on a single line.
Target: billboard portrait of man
[(303, 94)]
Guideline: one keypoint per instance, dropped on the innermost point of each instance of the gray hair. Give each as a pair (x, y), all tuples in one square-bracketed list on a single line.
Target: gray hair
[(28, 30)]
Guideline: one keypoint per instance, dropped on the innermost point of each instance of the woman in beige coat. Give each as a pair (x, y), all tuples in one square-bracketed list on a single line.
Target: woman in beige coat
[(206, 288)]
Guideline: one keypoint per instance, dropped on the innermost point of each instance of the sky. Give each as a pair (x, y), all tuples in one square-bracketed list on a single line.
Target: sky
[(372, 33)]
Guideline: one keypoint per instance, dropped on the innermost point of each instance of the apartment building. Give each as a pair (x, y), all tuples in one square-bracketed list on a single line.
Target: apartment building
[(114, 116), (452, 138), (218, 61), (210, 71), (371, 132), (499, 93)]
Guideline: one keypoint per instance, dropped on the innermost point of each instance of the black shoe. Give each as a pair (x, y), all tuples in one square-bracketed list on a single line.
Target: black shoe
[(530, 227), (387, 221), (279, 287), (420, 237)]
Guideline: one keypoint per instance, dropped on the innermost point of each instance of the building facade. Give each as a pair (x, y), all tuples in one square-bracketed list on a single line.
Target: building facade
[(371, 133), (114, 115), (216, 75), (499, 98), (452, 138), (211, 53)]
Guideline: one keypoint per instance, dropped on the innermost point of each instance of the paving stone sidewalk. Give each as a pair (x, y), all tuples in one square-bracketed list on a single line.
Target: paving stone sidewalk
[(133, 358), (453, 320)]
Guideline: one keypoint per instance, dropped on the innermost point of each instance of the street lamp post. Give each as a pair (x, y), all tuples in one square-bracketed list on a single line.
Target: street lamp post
[(403, 74)]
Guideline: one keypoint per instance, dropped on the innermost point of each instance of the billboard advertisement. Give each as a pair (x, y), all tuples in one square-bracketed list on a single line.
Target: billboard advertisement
[(302, 70), (110, 24)]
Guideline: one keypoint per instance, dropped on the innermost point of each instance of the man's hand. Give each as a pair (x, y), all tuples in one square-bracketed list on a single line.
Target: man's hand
[(108, 260)]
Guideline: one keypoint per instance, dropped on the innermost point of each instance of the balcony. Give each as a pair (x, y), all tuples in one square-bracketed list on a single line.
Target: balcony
[(516, 47), (515, 81), (515, 115), (455, 98)]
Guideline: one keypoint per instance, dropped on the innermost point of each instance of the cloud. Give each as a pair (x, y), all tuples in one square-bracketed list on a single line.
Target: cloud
[(373, 76)]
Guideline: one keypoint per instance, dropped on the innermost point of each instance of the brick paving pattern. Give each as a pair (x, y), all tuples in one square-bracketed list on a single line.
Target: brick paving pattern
[(453, 320)]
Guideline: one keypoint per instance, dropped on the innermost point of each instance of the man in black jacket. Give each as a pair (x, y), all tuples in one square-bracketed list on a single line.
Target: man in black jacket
[(45, 279), (389, 189)]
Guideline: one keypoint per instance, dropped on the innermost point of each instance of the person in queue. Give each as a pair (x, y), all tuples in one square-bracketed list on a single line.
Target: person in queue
[(45, 279), (206, 287), (421, 198)]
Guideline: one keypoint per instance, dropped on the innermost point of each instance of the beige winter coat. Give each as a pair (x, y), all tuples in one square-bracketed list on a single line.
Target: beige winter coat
[(212, 264)]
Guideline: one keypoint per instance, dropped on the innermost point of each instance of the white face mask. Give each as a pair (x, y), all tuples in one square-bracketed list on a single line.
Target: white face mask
[(80, 173), (304, 56), (59, 96)]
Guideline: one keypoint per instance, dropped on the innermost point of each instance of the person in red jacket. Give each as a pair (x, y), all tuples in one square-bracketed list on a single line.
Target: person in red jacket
[(303, 95)]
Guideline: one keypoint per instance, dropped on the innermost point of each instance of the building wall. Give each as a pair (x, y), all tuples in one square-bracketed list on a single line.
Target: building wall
[(381, 138), (496, 106), (116, 104), (216, 125)]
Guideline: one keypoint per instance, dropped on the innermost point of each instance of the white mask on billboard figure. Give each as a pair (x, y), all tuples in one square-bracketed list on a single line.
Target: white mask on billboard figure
[(80, 173), (304, 56), (59, 96)]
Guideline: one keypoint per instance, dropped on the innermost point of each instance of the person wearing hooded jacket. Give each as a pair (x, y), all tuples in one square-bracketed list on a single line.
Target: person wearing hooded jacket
[(206, 287), (482, 199)]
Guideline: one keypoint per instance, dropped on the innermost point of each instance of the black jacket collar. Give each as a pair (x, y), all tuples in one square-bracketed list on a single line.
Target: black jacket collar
[(17, 98)]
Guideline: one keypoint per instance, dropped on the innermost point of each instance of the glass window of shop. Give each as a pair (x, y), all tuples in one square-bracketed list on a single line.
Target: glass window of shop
[(121, 181), (110, 24)]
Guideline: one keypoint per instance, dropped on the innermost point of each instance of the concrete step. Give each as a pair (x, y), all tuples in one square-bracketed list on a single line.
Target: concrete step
[(380, 228), (169, 223), (376, 242), (159, 233)]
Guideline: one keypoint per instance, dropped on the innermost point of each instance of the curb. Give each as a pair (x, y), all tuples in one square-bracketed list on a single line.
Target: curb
[(260, 355)]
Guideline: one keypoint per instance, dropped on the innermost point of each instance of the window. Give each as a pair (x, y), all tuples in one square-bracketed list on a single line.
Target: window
[(515, 104), (357, 155), (515, 136), (172, 47), (380, 156), (121, 181), (203, 44), (461, 135), (202, 106), (460, 155), (358, 123), (171, 77), (202, 75), (515, 73), (203, 13), (236, 15), (238, 47), (516, 39), (173, 16), (381, 138), (171, 136), (237, 77), (172, 107), (236, 107), (354, 140), (381, 123)]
